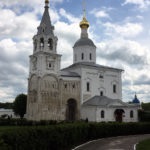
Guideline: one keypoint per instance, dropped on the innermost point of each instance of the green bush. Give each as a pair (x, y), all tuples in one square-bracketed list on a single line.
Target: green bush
[(63, 136)]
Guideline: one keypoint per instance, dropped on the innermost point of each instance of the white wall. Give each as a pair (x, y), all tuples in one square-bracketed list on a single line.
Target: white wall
[(86, 50), (93, 113), (104, 84)]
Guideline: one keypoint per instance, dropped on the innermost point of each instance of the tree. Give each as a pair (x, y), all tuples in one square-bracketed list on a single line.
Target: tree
[(19, 105), (145, 106)]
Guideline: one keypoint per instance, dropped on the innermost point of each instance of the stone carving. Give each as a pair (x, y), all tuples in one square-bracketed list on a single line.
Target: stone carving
[(34, 63)]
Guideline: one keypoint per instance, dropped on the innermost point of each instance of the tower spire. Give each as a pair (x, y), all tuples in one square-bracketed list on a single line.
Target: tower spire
[(45, 25), (84, 8)]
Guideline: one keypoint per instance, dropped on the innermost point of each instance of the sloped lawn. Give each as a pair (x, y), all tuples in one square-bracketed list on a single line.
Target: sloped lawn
[(144, 145)]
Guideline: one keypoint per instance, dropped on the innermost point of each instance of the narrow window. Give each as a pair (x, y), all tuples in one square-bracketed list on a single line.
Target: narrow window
[(73, 86), (82, 56), (65, 86), (90, 56), (102, 114), (114, 88), (131, 114), (49, 65), (101, 93), (88, 86)]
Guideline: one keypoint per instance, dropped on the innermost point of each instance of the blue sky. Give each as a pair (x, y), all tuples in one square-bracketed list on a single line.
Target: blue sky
[(119, 28)]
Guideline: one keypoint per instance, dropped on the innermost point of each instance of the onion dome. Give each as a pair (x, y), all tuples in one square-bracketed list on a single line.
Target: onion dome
[(84, 23), (136, 100)]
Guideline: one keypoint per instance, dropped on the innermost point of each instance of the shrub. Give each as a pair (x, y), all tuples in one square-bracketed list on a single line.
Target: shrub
[(64, 136)]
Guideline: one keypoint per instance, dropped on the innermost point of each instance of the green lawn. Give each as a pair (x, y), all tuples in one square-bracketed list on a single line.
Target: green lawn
[(143, 145)]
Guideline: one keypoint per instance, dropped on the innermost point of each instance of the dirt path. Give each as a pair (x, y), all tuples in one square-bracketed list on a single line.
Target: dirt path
[(115, 143)]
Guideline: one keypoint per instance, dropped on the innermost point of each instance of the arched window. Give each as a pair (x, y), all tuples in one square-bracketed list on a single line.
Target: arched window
[(50, 44), (82, 56), (42, 42), (131, 114), (102, 114), (90, 56), (101, 93)]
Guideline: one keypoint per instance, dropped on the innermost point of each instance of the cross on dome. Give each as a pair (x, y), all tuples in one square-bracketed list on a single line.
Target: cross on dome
[(84, 23)]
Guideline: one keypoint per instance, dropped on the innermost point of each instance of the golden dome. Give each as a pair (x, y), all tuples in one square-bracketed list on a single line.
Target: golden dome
[(84, 23)]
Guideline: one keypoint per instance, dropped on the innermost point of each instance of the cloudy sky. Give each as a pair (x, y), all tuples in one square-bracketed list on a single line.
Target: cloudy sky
[(119, 28)]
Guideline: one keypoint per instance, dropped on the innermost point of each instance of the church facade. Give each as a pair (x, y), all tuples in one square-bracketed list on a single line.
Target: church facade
[(83, 90)]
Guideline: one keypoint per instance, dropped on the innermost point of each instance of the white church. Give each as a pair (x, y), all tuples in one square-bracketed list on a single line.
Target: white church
[(84, 90)]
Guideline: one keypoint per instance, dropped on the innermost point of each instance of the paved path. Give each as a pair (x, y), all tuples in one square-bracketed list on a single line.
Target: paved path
[(115, 143)]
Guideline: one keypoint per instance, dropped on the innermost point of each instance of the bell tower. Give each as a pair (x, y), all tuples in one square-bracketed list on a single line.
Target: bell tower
[(45, 59), (43, 89)]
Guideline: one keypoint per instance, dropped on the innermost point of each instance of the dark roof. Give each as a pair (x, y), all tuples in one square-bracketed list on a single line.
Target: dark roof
[(91, 64), (104, 101), (69, 74), (83, 42)]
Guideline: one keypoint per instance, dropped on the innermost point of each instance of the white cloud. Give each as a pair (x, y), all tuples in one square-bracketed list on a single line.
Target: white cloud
[(141, 3), (124, 30), (67, 34), (17, 26), (68, 16), (133, 58), (100, 13)]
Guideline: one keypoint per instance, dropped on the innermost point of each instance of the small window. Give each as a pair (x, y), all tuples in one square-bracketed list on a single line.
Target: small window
[(114, 88), (101, 76), (90, 56), (82, 56), (131, 114), (101, 93), (73, 86), (88, 86), (49, 65), (102, 114), (65, 86)]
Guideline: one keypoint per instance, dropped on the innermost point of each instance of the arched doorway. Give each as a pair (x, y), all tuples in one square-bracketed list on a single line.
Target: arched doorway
[(119, 114), (71, 110)]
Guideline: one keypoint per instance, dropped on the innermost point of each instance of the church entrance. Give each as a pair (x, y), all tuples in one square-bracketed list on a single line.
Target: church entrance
[(119, 114), (71, 110)]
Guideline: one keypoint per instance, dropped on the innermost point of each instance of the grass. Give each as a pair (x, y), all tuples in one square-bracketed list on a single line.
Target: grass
[(143, 145)]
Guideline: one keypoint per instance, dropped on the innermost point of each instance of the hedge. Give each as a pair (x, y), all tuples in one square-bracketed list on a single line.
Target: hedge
[(64, 136)]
